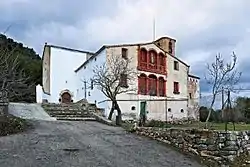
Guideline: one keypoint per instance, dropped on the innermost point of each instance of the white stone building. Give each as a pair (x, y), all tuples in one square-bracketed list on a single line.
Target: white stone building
[(165, 89)]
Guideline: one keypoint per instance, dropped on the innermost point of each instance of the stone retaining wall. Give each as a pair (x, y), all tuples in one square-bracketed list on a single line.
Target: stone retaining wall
[(216, 146)]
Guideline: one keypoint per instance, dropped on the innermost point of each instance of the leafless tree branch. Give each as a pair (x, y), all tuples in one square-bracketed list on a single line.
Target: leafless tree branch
[(115, 77), (221, 75), (12, 75)]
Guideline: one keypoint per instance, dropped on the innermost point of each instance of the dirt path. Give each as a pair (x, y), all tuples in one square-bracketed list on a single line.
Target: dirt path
[(85, 144)]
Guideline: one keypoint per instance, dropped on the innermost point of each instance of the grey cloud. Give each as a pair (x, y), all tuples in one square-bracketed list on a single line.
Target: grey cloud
[(214, 40), (222, 37), (22, 16)]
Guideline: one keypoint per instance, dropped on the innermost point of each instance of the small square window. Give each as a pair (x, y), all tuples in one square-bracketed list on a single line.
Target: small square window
[(176, 65), (124, 80), (176, 88), (182, 110), (124, 53)]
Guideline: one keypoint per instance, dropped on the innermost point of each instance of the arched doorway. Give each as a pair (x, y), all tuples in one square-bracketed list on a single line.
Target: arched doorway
[(66, 97)]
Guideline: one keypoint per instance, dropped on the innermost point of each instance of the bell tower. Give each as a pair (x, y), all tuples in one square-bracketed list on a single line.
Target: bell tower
[(167, 44)]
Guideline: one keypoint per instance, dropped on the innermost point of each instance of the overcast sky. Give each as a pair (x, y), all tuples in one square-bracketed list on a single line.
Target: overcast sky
[(202, 28)]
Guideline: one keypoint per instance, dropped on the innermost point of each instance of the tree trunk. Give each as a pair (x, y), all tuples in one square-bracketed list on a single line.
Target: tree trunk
[(226, 126), (119, 113), (210, 111), (111, 111)]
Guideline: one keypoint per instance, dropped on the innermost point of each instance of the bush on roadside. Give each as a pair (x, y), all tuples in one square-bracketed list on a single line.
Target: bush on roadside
[(242, 160), (10, 125), (156, 123)]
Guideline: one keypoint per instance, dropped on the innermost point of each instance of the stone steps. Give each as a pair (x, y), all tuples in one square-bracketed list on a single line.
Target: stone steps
[(70, 112), (70, 115), (76, 119)]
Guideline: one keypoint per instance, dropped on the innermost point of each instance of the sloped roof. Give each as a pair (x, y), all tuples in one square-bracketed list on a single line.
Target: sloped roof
[(127, 45), (70, 49), (94, 54), (193, 76)]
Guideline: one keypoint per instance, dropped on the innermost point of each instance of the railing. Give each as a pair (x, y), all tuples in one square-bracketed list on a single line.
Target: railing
[(160, 69)]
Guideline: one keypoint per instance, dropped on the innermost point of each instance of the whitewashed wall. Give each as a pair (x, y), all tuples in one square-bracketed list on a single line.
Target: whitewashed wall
[(46, 69), (39, 93), (180, 76), (176, 107), (85, 74), (62, 75), (176, 102)]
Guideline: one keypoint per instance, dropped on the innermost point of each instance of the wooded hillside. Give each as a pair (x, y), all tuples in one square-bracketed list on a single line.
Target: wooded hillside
[(29, 62)]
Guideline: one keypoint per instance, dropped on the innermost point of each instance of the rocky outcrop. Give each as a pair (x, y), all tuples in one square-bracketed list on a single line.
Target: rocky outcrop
[(216, 146)]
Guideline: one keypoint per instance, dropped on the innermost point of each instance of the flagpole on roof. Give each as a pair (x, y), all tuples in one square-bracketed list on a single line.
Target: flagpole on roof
[(153, 28)]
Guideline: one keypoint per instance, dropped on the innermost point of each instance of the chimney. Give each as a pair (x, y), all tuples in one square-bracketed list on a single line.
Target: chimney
[(167, 44)]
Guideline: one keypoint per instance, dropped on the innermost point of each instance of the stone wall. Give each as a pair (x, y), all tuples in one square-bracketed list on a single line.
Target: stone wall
[(215, 146)]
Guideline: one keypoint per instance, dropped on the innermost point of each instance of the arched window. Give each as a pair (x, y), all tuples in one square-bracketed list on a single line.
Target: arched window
[(152, 85), (162, 63), (143, 58), (142, 86), (161, 57), (161, 87), (143, 55), (152, 57)]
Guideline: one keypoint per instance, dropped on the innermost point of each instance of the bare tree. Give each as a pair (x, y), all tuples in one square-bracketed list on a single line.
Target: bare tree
[(12, 77), (113, 78), (221, 75)]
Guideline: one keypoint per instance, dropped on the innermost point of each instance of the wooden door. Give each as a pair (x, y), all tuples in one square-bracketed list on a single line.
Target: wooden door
[(66, 98)]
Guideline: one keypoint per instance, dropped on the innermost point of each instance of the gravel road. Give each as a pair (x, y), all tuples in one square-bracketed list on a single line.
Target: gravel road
[(85, 144)]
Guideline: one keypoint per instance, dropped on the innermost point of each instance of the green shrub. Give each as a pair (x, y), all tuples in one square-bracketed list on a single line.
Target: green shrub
[(156, 123)]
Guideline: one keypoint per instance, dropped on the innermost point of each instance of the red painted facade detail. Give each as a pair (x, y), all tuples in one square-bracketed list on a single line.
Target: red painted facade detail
[(150, 61), (151, 85)]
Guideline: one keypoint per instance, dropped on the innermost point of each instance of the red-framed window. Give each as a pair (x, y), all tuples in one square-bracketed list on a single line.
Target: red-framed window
[(143, 58), (142, 84), (162, 87), (162, 62), (151, 61), (152, 85), (152, 56)]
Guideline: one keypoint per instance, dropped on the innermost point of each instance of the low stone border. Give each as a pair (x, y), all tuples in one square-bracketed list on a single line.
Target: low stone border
[(216, 146)]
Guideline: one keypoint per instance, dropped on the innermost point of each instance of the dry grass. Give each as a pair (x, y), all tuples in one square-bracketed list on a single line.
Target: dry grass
[(11, 125), (216, 126)]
